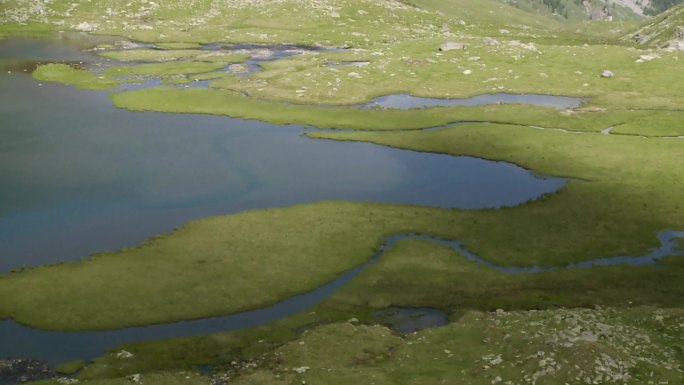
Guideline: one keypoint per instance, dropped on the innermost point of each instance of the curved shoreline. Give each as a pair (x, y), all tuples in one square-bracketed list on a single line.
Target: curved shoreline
[(53, 346)]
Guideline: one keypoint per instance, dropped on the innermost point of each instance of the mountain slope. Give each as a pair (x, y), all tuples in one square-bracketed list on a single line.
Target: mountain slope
[(665, 29)]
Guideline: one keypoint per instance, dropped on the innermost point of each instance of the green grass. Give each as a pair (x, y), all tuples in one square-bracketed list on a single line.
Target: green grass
[(164, 69), (152, 54), (486, 348), (70, 368), (66, 74), (622, 345)]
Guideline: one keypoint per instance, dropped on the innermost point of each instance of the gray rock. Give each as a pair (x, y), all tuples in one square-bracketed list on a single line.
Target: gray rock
[(24, 370), (490, 41), (677, 45), (679, 33), (451, 46), (607, 74)]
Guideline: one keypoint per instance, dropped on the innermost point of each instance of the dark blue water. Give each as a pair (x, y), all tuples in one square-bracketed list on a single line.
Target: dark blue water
[(78, 176), (411, 319)]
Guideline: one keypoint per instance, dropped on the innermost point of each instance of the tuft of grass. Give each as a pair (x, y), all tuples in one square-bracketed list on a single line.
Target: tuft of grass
[(152, 54), (70, 368), (164, 69)]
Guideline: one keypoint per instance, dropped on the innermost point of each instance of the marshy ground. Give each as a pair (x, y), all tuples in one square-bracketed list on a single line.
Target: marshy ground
[(619, 152)]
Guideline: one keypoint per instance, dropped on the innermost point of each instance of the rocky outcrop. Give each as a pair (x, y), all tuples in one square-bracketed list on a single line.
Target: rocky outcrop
[(24, 370)]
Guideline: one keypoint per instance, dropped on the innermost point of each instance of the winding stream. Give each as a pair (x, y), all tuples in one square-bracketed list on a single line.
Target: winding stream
[(56, 347)]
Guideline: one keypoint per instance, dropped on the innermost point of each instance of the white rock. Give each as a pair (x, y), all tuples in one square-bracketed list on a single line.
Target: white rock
[(301, 370), (649, 57), (467, 72), (450, 46), (84, 27), (607, 74), (124, 354)]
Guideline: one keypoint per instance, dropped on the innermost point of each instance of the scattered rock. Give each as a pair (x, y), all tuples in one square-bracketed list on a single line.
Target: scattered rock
[(301, 370), (24, 370), (135, 378), (649, 57), (474, 58), (450, 46), (238, 68), (679, 33), (677, 45), (460, 22), (607, 74), (490, 41), (354, 75)]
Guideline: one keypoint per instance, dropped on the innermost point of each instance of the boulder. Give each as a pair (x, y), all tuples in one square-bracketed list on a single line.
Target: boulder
[(607, 74), (451, 46), (84, 27)]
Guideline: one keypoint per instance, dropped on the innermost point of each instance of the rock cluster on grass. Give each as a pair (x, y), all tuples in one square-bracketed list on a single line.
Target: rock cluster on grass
[(24, 370)]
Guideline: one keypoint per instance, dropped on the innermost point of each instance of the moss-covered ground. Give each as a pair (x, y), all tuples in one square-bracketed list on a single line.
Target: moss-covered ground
[(624, 185)]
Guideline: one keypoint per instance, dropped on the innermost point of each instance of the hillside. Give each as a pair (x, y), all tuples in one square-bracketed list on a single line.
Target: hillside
[(665, 30), (329, 22), (577, 10)]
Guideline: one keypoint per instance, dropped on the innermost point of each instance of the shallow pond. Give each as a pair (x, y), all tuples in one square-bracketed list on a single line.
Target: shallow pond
[(404, 101)]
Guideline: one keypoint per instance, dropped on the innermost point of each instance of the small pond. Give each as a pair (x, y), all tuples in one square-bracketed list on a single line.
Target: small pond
[(404, 101)]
